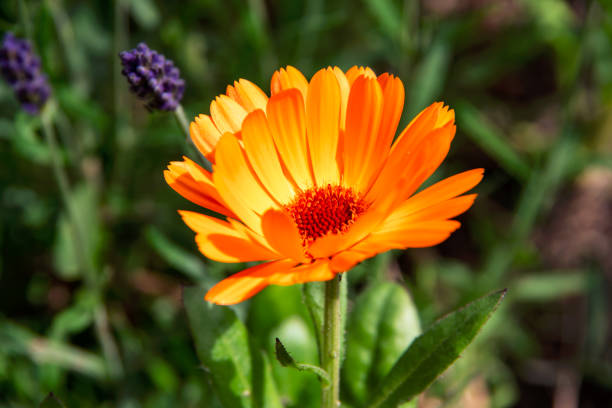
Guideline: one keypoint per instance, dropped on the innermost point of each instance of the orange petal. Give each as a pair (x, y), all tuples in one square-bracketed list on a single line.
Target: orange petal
[(444, 210), (355, 72), (195, 184), (412, 235), (288, 78), (332, 244), (286, 119), (227, 114), (243, 285), (427, 158), (204, 135), (219, 241), (262, 155), (282, 234), (444, 190), (360, 139), (248, 95), (314, 272), (408, 154), (346, 260), (322, 121)]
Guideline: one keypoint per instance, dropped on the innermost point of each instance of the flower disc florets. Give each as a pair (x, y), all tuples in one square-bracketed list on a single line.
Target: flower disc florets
[(21, 69), (153, 78), (322, 210)]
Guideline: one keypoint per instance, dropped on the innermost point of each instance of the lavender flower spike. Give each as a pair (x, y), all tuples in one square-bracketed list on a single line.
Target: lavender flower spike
[(20, 67), (153, 78)]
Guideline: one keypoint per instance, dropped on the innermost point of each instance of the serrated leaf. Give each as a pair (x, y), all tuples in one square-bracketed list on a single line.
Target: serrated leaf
[(434, 351), (239, 376), (285, 359), (382, 324), (295, 386), (51, 402)]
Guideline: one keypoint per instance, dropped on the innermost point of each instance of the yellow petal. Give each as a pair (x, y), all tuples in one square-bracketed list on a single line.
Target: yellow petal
[(227, 114), (204, 135), (248, 95)]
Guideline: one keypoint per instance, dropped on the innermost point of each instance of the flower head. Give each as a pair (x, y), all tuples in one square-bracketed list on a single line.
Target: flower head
[(153, 78), (20, 67), (311, 180)]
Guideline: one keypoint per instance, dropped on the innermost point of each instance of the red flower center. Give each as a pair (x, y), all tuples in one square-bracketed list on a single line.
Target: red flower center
[(321, 210)]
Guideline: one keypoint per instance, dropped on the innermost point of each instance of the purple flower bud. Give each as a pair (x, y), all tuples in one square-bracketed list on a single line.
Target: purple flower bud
[(21, 70), (153, 78)]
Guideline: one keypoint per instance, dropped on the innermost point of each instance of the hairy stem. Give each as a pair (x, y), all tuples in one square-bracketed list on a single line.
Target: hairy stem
[(332, 343)]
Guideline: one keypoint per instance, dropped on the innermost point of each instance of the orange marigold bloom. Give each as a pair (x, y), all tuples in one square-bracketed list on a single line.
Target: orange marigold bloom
[(310, 180)]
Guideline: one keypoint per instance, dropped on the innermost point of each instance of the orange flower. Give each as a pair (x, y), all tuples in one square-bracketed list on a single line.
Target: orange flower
[(311, 181)]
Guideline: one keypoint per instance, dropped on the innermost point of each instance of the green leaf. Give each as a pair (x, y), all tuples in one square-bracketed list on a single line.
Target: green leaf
[(434, 351), (382, 324), (491, 140), (240, 377), (51, 402), (285, 359)]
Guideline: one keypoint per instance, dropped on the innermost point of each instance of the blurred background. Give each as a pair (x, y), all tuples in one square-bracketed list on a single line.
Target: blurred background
[(531, 84)]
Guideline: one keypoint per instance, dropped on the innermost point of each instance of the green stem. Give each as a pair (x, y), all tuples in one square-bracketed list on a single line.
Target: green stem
[(64, 187), (332, 343), (181, 119), (103, 332)]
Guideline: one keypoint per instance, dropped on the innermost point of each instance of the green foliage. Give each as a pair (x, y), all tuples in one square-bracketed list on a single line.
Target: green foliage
[(531, 86), (240, 376), (432, 352), (383, 322)]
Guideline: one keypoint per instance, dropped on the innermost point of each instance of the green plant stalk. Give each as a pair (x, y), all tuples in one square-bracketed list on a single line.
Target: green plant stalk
[(332, 342), (103, 331), (64, 187), (181, 119)]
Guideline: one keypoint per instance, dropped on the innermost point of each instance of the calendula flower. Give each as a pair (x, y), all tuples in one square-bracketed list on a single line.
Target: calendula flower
[(153, 78), (311, 181), (20, 67)]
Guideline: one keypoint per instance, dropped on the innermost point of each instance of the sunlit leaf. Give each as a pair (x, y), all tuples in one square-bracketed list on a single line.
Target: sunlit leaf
[(434, 351)]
